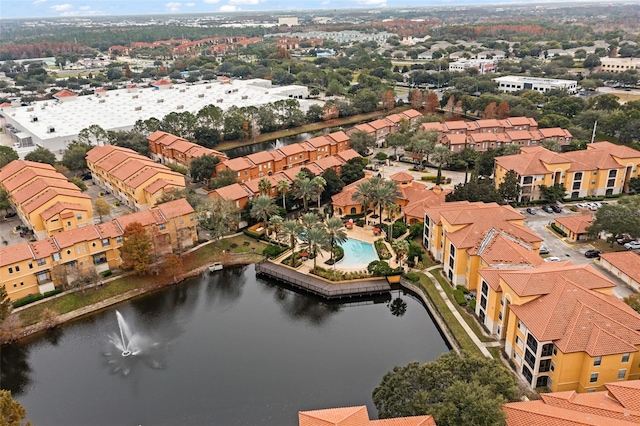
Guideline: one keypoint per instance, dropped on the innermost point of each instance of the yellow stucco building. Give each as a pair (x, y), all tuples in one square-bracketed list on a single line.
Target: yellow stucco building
[(561, 325), (602, 169)]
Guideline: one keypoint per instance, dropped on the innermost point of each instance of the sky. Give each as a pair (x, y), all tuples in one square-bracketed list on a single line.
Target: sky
[(61, 8)]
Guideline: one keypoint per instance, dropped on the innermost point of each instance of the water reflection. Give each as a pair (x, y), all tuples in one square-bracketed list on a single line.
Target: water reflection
[(15, 371), (266, 146)]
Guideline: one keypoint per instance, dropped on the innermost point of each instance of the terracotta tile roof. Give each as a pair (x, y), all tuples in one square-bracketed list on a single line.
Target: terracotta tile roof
[(576, 224), (455, 139), (433, 126), (113, 160), (395, 118), (345, 197), (471, 236), (454, 125), (481, 137), (533, 413), (411, 113), (28, 174), (435, 212), (43, 248), (531, 161), (131, 167), (157, 185), (233, 192), (419, 201), (59, 207), (379, 124), (365, 127), (554, 132), (356, 416), (521, 121), (484, 124), (39, 185), (619, 151), (328, 162), (238, 164), (65, 94), (198, 151), (109, 230), (320, 141), (73, 236), (252, 184), (293, 149), (339, 136), (162, 82), (626, 393), (144, 217), (501, 250), (405, 421), (49, 194), (521, 135), (15, 166), (15, 253), (260, 157), (591, 159), (402, 177), (626, 261), (151, 172), (175, 208), (181, 145), (348, 154)]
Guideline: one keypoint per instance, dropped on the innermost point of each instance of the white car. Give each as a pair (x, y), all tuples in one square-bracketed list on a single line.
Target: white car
[(552, 259), (632, 245)]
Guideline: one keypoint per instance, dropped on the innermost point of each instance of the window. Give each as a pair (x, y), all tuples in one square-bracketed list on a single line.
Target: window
[(553, 366), (530, 358), (527, 180), (41, 262), (577, 176), (622, 373), (591, 390), (118, 240), (545, 365), (483, 302), (30, 265), (56, 256), (576, 185), (500, 315), (547, 349), (162, 227), (542, 382), (611, 182), (532, 343), (485, 288), (79, 216), (11, 270), (612, 173), (597, 361), (625, 357), (527, 374), (502, 301), (593, 378), (452, 251), (68, 223), (105, 242), (451, 262)]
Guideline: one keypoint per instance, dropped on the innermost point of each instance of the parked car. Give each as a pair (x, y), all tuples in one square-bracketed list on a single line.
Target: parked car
[(592, 253), (556, 208), (531, 210), (632, 245), (10, 215), (544, 250), (547, 209), (623, 239), (86, 176), (552, 259)]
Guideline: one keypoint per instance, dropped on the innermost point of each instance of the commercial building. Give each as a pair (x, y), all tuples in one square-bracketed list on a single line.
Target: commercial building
[(618, 65), (45, 201), (55, 123), (483, 66), (515, 83), (562, 326), (39, 266), (134, 179), (602, 169)]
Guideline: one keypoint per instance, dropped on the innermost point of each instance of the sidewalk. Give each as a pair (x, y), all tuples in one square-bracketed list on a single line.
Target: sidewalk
[(481, 345)]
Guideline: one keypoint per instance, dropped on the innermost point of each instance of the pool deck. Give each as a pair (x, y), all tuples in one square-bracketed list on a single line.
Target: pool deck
[(320, 287)]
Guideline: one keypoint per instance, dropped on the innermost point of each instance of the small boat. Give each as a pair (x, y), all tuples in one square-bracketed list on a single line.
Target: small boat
[(216, 266)]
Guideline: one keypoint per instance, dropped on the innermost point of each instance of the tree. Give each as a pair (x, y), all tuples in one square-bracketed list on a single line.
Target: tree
[(438, 388), (275, 225), (442, 156), (385, 193), (224, 178), (319, 184), (353, 170), (379, 268), (476, 190), (102, 208), (7, 155), (316, 240), (591, 62), (634, 185), (490, 111), (305, 190), (619, 218), (11, 412), (363, 194), (5, 204), (202, 168), (74, 157), (132, 140), (416, 99), (190, 195), (5, 304), (136, 249), (392, 211), (333, 183), (291, 229), (79, 183), (336, 233), (553, 193), (218, 216), (502, 110), (432, 103), (264, 186), (633, 301), (388, 100), (397, 140), (82, 277), (173, 266), (509, 188), (423, 143), (206, 136), (262, 207), (41, 155), (283, 187), (401, 247), (362, 142), (93, 135), (551, 145)]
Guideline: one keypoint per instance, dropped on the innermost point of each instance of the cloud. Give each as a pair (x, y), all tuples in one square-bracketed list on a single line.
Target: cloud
[(325, 3), (228, 8), (247, 2), (39, 2), (211, 1), (61, 7), (190, 4), (173, 6), (85, 8), (372, 2)]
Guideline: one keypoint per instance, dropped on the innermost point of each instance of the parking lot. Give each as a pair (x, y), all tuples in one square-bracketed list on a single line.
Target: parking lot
[(564, 250)]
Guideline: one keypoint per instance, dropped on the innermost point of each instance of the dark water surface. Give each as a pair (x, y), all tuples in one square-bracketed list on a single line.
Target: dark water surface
[(226, 350), (266, 146)]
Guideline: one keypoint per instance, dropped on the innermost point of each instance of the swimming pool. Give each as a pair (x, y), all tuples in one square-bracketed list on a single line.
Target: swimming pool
[(357, 254)]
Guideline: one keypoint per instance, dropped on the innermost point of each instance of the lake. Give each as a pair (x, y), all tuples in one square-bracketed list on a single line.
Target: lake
[(224, 349)]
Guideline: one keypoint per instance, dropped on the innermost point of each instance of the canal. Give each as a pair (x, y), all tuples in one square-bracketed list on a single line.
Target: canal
[(266, 146), (225, 349)]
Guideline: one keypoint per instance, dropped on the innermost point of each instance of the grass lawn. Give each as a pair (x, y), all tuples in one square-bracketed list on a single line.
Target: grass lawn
[(454, 326), (469, 318), (213, 252), (427, 262), (605, 247)]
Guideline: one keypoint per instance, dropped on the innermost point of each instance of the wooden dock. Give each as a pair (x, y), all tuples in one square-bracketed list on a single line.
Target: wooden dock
[(321, 287)]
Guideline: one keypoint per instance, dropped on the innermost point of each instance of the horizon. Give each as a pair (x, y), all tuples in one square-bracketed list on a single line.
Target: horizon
[(47, 9)]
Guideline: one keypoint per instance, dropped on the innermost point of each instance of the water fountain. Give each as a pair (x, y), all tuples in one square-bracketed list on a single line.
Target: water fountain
[(128, 342)]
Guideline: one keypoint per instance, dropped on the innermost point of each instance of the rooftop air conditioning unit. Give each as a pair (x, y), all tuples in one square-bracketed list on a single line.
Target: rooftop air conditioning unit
[(138, 108), (51, 129), (180, 107), (181, 90), (208, 87), (135, 96), (30, 109), (160, 101), (201, 95), (34, 118), (101, 101)]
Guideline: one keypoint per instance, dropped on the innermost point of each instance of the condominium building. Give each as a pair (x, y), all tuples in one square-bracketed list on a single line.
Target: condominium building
[(516, 83), (134, 179), (602, 169), (170, 149), (356, 416), (39, 266), (44, 199), (562, 326)]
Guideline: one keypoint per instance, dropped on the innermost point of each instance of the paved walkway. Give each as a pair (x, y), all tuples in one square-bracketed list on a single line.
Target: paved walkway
[(481, 345)]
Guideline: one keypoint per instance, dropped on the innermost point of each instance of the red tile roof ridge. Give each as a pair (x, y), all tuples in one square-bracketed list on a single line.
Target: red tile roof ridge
[(626, 394), (533, 413)]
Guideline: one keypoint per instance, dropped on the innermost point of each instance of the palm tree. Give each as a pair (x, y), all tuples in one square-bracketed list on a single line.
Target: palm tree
[(401, 247), (316, 240), (386, 193), (291, 229), (309, 221), (283, 188), (363, 194), (264, 186), (423, 143), (336, 233), (263, 207), (392, 211), (442, 155), (275, 224), (319, 184), (304, 190)]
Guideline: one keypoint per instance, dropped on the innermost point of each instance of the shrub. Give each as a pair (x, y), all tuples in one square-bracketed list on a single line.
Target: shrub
[(27, 299), (233, 245), (178, 169), (338, 254), (399, 228), (459, 296), (381, 248), (472, 304), (415, 250), (360, 223), (463, 289), (251, 234), (107, 273), (557, 229), (412, 276), (416, 229), (272, 251)]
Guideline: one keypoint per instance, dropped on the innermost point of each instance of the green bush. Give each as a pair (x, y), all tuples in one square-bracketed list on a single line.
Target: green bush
[(416, 229), (412, 276), (338, 254), (178, 169), (360, 223), (459, 296), (381, 248), (353, 216), (399, 228), (251, 234), (273, 251), (107, 273), (27, 299), (415, 250), (557, 229), (472, 304), (463, 289)]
